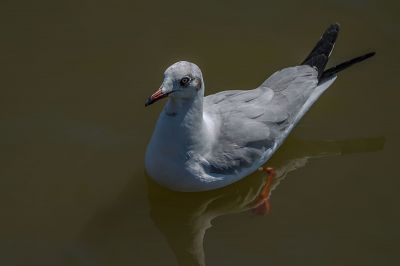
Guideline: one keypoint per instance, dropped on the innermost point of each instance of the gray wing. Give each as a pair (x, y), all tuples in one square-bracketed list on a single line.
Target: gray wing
[(251, 121)]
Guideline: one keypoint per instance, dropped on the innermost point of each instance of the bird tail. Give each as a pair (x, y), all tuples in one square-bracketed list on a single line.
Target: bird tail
[(319, 55), (329, 73)]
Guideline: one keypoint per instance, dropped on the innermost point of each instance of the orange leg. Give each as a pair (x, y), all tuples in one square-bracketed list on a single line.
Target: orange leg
[(262, 204)]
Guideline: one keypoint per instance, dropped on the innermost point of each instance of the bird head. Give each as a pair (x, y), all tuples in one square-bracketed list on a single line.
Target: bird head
[(183, 81)]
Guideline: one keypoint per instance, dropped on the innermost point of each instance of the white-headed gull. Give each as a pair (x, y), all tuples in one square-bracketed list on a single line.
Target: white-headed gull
[(202, 143)]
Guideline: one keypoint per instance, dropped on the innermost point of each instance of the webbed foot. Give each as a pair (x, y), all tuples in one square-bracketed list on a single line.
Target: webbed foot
[(261, 204)]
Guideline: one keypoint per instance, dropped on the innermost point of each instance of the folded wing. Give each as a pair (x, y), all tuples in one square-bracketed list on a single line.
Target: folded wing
[(252, 121)]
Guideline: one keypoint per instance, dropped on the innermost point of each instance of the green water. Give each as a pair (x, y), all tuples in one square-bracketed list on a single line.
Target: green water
[(73, 131)]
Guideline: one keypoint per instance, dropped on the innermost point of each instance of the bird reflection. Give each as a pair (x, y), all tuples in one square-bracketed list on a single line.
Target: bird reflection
[(184, 217)]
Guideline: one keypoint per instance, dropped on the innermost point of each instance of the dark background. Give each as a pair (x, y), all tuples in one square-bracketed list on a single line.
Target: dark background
[(73, 131)]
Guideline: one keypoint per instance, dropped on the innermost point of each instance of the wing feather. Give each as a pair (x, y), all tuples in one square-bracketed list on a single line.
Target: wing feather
[(251, 121)]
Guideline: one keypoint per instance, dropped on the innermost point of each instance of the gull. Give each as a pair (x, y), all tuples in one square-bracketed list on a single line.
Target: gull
[(203, 143)]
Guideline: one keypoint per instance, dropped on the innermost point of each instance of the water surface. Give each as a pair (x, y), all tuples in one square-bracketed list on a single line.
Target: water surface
[(73, 131)]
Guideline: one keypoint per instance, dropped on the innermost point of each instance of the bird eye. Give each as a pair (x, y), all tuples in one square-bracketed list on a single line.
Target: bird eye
[(185, 81)]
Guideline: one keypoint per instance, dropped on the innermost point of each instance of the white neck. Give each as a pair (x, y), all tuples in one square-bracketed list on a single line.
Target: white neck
[(184, 117), (184, 108), (181, 129), (182, 138)]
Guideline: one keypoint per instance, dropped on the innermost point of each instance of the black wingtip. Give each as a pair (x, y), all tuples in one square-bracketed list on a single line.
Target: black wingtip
[(368, 55), (336, 25), (319, 55), (329, 73)]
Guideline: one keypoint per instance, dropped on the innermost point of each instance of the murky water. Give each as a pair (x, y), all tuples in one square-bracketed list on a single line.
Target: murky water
[(73, 131)]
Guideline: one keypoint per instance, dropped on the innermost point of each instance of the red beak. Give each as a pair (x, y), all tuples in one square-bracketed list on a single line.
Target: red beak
[(158, 95)]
